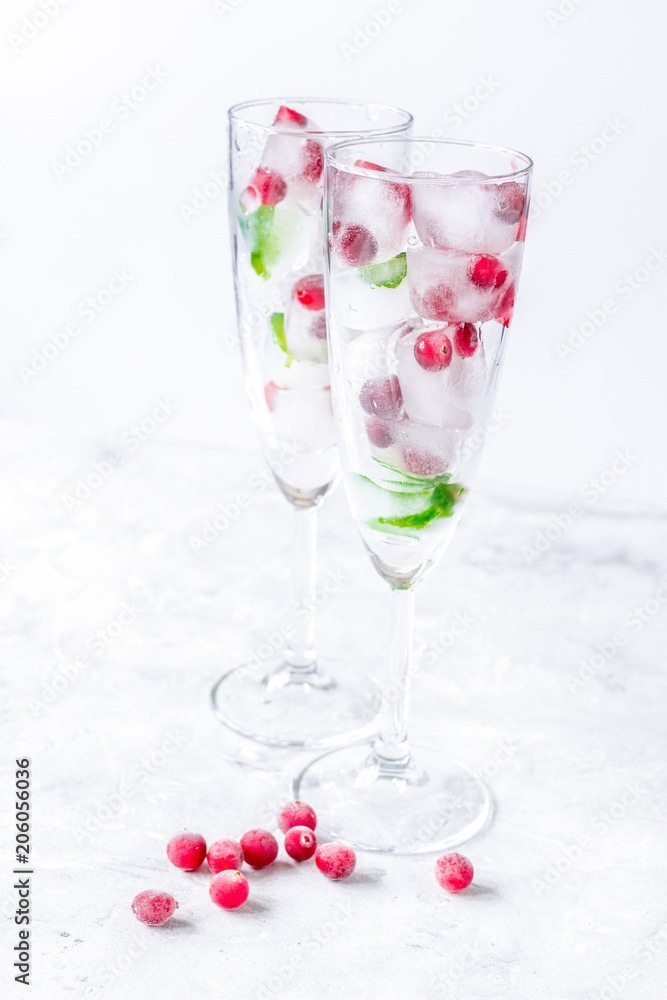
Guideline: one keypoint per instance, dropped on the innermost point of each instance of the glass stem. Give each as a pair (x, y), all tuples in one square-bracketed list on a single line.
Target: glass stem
[(391, 745), (300, 652)]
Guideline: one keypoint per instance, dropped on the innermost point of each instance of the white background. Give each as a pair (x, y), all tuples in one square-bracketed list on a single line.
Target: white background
[(539, 624), (171, 331)]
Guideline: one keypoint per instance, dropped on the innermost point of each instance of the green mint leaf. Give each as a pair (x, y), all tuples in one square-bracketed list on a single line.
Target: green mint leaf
[(257, 232), (277, 321), (388, 275)]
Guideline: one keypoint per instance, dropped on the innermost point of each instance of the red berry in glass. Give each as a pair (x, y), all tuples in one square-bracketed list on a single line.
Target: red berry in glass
[(153, 907), (300, 843), (486, 271), (355, 244), (229, 890), (509, 199), (309, 291), (466, 340), (296, 814), (382, 397), (422, 463), (270, 186), (336, 861), (187, 851), (453, 872), (223, 855), (380, 433), (433, 350), (260, 848), (287, 116)]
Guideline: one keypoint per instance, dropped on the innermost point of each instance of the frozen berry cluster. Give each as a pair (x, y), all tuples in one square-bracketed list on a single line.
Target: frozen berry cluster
[(229, 888)]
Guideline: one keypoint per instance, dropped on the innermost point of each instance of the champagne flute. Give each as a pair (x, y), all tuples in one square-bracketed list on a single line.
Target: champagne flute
[(298, 698), (422, 274)]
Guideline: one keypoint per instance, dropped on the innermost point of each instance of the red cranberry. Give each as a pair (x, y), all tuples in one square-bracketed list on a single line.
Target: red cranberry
[(335, 861), (486, 271), (421, 463), (300, 843), (286, 116), (508, 201), (310, 291), (354, 244), (453, 872), (229, 890), (223, 855), (269, 185), (153, 907), (260, 848), (271, 390), (382, 397), (466, 340), (187, 851), (380, 434), (296, 814), (313, 161), (505, 307), (433, 351)]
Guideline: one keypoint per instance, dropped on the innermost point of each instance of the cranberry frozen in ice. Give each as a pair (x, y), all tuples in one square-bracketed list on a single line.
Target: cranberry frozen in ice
[(187, 850), (380, 432), (153, 907), (370, 216), (336, 861), (465, 340), (381, 397), (300, 843), (453, 872), (433, 350), (452, 287), (223, 855), (229, 889), (305, 325), (296, 814), (260, 848), (459, 213), (486, 271)]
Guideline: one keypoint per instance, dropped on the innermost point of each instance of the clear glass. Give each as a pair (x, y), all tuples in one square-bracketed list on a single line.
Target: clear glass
[(275, 208), (422, 274)]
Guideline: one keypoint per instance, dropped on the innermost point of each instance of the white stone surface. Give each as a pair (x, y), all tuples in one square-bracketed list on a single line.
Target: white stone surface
[(106, 795)]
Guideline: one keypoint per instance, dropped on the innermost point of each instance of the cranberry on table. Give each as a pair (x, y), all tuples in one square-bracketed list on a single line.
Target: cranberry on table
[(229, 889), (453, 872), (336, 861), (260, 848), (300, 843), (296, 814), (223, 855), (153, 907), (187, 851)]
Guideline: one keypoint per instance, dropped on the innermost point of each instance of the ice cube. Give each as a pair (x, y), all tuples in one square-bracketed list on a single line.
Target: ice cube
[(369, 358), (460, 213), (426, 394), (305, 324), (369, 217), (427, 450), (363, 301), (441, 288)]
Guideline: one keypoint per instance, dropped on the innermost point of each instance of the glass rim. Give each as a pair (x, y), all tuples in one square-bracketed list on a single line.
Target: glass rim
[(234, 116), (333, 161)]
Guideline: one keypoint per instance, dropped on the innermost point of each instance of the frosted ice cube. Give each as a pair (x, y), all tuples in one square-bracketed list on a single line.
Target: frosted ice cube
[(442, 286), (427, 450), (361, 305), (471, 217), (426, 394), (305, 323), (369, 218)]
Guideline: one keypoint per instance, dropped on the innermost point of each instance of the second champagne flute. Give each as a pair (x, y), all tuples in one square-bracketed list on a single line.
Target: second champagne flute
[(298, 698)]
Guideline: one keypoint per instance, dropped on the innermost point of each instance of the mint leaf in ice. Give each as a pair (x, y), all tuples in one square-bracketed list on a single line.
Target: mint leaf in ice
[(388, 275)]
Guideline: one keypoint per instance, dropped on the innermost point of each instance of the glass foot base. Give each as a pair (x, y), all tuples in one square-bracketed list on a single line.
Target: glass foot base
[(430, 805), (281, 706)]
